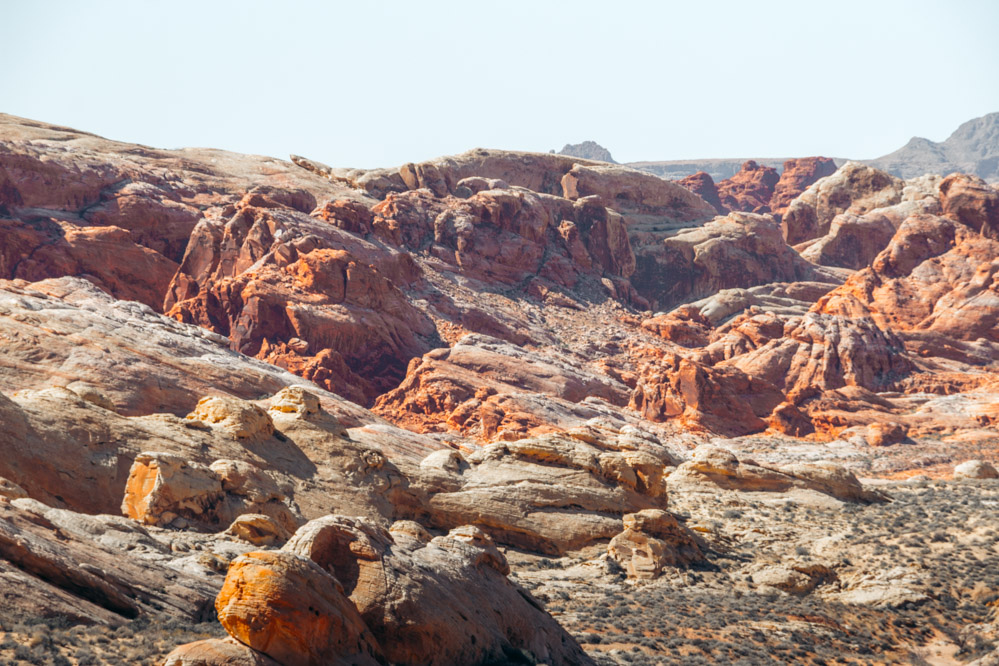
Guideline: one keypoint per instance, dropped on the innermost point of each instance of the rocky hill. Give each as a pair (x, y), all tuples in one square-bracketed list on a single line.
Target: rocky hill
[(973, 148), (588, 150), (497, 407)]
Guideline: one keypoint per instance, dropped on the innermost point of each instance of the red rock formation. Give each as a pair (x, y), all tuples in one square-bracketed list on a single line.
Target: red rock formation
[(825, 352), (750, 190), (478, 387), (704, 186), (509, 235), (723, 400), (796, 177), (739, 250)]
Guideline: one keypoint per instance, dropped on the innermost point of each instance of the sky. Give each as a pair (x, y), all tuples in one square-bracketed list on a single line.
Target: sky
[(369, 84)]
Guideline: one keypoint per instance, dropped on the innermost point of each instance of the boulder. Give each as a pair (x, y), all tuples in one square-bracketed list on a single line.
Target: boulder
[(886, 434), (258, 529), (162, 487), (240, 418), (975, 469), (217, 652), (653, 540), (290, 609), (441, 600)]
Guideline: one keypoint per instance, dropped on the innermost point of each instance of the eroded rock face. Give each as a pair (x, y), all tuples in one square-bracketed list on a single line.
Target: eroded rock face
[(723, 400), (739, 250), (935, 285), (827, 352), (750, 190), (323, 313), (972, 202), (852, 241), (797, 176), (508, 235), (653, 540), (442, 600), (855, 188), (477, 386), (290, 609)]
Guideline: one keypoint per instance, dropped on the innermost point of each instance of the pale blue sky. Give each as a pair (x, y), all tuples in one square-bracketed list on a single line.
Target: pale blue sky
[(380, 83)]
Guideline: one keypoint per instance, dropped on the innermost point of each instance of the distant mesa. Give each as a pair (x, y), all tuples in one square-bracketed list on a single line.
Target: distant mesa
[(588, 150)]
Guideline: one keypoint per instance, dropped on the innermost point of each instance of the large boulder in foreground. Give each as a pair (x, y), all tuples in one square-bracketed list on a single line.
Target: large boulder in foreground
[(442, 600), (290, 609)]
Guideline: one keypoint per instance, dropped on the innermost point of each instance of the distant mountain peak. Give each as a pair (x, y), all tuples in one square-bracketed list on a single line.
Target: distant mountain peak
[(587, 150), (972, 148)]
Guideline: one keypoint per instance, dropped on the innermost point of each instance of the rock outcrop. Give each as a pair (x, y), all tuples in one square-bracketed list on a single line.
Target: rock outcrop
[(442, 600), (550, 494), (588, 150), (796, 177), (653, 540), (739, 250), (750, 190), (703, 186), (713, 467), (855, 188)]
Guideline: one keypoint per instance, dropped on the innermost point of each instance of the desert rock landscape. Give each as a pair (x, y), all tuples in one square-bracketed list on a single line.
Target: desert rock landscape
[(493, 408)]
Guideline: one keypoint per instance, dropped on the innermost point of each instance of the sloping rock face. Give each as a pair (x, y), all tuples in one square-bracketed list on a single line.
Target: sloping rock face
[(750, 190), (477, 386), (739, 250), (854, 188)]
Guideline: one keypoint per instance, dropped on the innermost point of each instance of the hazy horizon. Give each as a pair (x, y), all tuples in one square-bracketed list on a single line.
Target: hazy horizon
[(393, 82)]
